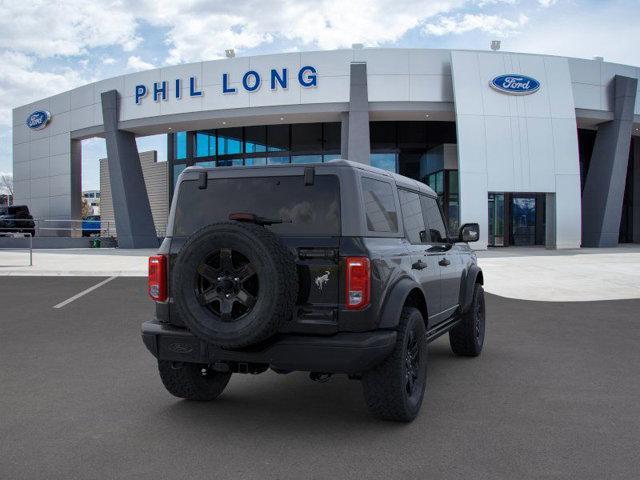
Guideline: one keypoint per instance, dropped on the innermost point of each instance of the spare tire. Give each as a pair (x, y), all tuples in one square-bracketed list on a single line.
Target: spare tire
[(234, 283)]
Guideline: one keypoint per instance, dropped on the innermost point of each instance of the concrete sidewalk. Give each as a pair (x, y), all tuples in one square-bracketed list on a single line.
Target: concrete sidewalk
[(86, 262), (522, 273), (585, 274)]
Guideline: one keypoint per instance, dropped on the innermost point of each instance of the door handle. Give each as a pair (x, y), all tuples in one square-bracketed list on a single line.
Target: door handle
[(444, 262), (419, 265)]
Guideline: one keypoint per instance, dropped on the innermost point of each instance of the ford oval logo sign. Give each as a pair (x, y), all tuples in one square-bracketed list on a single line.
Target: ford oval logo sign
[(515, 84), (38, 119)]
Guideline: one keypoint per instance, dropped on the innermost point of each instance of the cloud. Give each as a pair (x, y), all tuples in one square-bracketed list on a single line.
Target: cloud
[(547, 3), (21, 83), (108, 61), (135, 63), (491, 24), (71, 27), (324, 24)]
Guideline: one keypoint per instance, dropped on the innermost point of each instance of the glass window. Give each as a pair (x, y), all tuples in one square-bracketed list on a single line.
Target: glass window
[(385, 161), (306, 159), (229, 141), (332, 135), (255, 139), (436, 182), (332, 156), (278, 138), (433, 220), (235, 162), (255, 161), (209, 164), (180, 145), (306, 137), (380, 207), (277, 160), (412, 216), (432, 161), (307, 210), (177, 170), (453, 210), (205, 144)]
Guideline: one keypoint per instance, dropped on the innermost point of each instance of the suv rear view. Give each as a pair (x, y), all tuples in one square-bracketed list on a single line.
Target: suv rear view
[(277, 267)]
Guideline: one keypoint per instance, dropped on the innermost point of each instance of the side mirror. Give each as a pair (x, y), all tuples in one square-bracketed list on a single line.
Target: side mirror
[(469, 232)]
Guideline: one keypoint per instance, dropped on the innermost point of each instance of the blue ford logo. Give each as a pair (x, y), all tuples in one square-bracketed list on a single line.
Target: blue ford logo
[(515, 84), (38, 119)]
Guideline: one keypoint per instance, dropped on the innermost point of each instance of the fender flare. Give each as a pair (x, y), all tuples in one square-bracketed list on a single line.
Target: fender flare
[(390, 315), (473, 276)]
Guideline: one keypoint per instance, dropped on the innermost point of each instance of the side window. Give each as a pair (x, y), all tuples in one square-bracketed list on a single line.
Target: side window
[(380, 207), (433, 220), (412, 216)]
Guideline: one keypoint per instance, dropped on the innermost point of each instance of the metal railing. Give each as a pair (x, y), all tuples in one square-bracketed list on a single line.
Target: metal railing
[(44, 227)]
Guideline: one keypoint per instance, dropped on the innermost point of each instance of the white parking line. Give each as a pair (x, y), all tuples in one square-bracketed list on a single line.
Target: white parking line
[(83, 293)]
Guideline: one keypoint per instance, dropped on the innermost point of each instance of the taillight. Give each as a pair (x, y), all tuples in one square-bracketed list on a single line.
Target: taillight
[(358, 282), (157, 284)]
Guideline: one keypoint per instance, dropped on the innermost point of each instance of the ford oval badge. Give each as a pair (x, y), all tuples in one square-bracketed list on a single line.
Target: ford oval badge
[(515, 84), (38, 119)]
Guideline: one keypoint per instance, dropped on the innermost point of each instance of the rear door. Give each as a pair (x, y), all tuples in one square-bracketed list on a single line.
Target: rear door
[(424, 265), (309, 216), (441, 249)]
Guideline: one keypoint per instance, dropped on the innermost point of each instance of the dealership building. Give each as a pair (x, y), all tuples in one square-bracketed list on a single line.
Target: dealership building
[(538, 149)]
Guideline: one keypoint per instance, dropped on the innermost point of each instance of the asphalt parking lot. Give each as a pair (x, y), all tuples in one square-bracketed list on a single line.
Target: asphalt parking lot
[(555, 394)]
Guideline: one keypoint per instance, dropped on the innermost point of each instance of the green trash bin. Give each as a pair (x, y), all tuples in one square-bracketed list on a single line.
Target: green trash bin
[(95, 243)]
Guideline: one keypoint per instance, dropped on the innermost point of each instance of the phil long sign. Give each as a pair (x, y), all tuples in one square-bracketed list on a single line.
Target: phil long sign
[(515, 84), (250, 81)]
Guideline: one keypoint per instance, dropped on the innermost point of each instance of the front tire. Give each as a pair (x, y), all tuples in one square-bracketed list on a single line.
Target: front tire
[(192, 381), (394, 389), (467, 337)]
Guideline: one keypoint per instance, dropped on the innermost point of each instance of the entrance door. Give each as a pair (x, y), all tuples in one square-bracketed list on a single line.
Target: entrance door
[(496, 220), (523, 220)]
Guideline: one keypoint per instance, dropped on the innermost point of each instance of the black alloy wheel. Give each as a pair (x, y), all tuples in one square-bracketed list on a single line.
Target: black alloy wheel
[(227, 284), (394, 389), (233, 284), (412, 363), (478, 314), (467, 337)]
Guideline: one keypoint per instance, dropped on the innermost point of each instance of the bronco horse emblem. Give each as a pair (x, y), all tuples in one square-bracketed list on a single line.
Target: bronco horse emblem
[(322, 280)]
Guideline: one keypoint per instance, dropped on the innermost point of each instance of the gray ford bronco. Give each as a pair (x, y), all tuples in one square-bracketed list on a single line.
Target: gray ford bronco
[(326, 268)]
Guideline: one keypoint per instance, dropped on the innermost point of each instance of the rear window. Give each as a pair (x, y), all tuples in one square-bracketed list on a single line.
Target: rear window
[(311, 210), (380, 206)]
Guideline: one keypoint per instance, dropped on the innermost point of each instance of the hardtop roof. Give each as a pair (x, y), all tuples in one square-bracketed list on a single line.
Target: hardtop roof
[(399, 180)]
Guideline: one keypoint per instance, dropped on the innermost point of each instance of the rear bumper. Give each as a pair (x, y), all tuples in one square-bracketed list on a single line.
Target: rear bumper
[(349, 353)]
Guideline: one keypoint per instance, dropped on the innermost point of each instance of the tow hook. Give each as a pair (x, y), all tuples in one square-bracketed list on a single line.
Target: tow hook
[(320, 377)]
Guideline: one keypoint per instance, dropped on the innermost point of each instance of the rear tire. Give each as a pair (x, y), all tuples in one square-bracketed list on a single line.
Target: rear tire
[(192, 381), (394, 389), (234, 284), (467, 337)]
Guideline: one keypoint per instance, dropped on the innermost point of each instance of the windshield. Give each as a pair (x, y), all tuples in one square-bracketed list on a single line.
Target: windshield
[(306, 210)]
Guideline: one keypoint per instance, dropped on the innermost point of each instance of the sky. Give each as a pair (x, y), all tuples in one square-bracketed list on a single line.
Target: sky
[(48, 47)]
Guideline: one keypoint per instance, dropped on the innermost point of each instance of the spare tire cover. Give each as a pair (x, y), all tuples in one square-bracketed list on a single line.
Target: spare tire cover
[(234, 283)]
